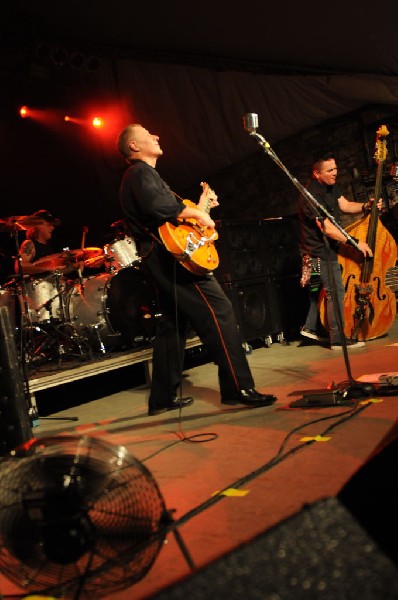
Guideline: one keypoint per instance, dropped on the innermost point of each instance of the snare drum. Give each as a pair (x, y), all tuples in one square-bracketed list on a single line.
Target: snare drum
[(44, 297), (114, 309), (120, 254)]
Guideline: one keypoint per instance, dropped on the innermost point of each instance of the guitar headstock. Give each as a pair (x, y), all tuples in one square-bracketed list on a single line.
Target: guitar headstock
[(211, 198), (210, 194), (381, 145)]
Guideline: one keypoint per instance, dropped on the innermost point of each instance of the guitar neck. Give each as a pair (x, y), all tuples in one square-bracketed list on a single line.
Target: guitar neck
[(208, 206), (209, 197)]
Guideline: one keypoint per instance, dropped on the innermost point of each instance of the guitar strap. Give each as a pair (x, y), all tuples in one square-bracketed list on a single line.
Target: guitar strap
[(147, 232), (144, 229)]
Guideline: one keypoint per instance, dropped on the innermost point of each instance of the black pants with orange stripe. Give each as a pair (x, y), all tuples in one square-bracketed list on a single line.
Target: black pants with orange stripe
[(184, 299)]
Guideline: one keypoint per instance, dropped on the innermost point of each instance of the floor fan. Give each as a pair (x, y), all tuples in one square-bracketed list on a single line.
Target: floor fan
[(79, 518)]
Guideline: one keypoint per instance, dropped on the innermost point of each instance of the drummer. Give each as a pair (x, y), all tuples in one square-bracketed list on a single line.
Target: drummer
[(37, 244)]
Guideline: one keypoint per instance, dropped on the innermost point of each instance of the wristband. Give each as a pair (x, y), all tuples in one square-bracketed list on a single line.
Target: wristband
[(351, 240)]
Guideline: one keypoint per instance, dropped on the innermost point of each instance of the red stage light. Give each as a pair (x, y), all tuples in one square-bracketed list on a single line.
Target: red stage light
[(24, 112), (97, 122)]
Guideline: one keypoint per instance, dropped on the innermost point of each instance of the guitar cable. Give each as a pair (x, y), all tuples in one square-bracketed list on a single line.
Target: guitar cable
[(198, 437)]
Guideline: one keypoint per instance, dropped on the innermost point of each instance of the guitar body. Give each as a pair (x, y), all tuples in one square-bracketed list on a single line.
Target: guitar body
[(192, 245)]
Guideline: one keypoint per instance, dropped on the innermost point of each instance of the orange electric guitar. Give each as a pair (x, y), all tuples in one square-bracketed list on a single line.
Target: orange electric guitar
[(190, 243)]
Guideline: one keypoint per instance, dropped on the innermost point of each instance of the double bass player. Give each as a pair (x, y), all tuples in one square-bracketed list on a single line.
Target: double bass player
[(320, 258)]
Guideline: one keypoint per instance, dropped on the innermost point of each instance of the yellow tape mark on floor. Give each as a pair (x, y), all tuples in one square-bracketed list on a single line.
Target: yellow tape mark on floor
[(315, 438), (232, 492), (371, 401)]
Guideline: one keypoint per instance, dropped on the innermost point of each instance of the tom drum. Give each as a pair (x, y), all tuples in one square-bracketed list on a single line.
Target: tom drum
[(120, 254)]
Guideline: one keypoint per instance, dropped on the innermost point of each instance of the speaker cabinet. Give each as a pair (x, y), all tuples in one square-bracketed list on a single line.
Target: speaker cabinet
[(319, 553), (239, 250), (256, 307), (249, 249), (280, 246)]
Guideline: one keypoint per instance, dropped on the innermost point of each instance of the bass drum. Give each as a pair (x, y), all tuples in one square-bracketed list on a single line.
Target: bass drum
[(114, 310)]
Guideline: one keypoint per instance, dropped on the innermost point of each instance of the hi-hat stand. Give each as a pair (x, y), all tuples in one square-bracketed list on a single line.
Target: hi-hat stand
[(347, 392)]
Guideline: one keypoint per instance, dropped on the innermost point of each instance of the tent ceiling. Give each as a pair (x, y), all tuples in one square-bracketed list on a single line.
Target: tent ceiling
[(190, 70), (302, 36)]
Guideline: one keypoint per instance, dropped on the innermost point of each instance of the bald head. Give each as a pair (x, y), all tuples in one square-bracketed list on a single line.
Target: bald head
[(126, 136), (135, 142)]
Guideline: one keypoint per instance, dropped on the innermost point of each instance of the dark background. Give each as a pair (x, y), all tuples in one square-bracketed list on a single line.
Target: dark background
[(316, 76)]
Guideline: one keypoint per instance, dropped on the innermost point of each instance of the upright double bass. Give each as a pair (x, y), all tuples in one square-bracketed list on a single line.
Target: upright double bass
[(369, 304)]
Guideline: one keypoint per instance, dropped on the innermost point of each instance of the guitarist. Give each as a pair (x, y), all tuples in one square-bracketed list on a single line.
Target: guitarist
[(185, 298)]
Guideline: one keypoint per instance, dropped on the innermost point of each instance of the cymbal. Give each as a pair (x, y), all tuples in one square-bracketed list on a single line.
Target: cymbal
[(95, 262), (83, 254), (52, 262), (24, 222), (9, 224), (67, 258)]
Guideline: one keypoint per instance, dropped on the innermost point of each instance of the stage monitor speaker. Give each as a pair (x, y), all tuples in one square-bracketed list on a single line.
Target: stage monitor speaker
[(321, 553), (372, 496), (256, 307), (15, 425)]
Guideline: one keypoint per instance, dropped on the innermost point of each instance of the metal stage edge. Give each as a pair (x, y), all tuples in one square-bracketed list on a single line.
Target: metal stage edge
[(67, 374)]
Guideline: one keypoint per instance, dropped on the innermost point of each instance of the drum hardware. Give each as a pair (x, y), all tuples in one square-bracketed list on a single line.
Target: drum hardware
[(67, 343), (20, 284), (27, 350)]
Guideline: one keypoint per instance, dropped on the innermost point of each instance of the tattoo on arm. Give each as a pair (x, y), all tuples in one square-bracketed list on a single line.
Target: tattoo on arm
[(28, 249)]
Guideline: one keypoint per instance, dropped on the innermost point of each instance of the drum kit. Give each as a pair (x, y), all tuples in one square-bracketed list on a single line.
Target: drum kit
[(109, 304)]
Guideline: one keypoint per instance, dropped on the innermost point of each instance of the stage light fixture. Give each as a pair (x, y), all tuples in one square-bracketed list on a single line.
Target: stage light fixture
[(93, 63), (76, 60), (59, 57), (97, 122), (43, 50), (24, 112)]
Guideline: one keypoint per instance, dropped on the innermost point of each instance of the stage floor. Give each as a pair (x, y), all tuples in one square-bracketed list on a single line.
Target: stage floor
[(270, 462)]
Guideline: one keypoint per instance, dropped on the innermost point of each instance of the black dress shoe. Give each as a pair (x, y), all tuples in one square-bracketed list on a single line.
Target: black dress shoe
[(175, 404), (250, 398)]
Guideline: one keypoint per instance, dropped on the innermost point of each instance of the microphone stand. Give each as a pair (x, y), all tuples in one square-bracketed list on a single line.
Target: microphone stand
[(354, 389)]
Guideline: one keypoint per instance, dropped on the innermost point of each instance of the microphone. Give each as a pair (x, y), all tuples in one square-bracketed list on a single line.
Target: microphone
[(250, 122)]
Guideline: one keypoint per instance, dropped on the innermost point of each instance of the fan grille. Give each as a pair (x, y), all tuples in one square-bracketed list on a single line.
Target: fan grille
[(78, 513)]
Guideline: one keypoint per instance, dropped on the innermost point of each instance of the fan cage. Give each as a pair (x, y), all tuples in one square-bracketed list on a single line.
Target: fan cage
[(78, 513)]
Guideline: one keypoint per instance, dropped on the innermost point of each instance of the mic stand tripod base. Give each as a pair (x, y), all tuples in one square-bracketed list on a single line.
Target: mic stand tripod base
[(344, 395)]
